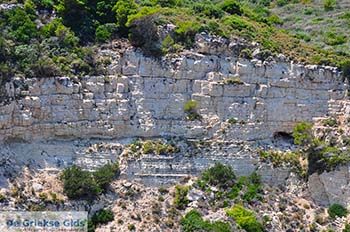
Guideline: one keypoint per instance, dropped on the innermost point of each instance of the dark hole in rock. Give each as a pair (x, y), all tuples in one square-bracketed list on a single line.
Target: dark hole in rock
[(283, 137)]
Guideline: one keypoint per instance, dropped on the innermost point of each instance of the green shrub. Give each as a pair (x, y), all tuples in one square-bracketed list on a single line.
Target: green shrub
[(303, 35), (245, 219), (232, 120), (79, 184), (144, 32), (233, 81), (2, 198), (208, 9), (282, 2), (23, 28), (168, 45), (131, 227), (169, 3), (332, 122), (180, 200), (190, 109), (123, 9), (334, 38), (219, 175), (102, 216), (282, 159), (105, 32), (105, 174), (185, 32), (76, 15), (337, 210), (346, 228), (158, 147), (329, 5), (345, 68), (231, 7), (302, 133), (193, 222), (44, 4)]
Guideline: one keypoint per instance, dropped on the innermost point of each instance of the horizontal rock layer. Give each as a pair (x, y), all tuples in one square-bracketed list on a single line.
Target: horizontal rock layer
[(144, 97)]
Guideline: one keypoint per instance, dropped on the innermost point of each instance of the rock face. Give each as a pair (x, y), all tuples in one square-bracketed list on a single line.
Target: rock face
[(331, 187), (144, 97)]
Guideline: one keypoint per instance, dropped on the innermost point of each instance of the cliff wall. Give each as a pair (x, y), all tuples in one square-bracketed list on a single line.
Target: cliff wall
[(142, 96)]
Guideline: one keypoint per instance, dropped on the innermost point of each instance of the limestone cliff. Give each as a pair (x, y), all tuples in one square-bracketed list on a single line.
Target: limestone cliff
[(144, 97)]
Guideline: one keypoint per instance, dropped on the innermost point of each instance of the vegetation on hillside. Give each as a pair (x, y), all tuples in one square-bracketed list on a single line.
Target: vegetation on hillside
[(81, 184), (57, 37)]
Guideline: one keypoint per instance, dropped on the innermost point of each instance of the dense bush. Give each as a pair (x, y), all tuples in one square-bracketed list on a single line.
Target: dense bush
[(347, 228), (144, 33), (104, 175), (345, 68), (44, 67), (193, 222), (123, 9), (219, 175), (180, 200), (329, 4), (186, 31), (302, 133), (208, 9), (337, 210), (191, 108), (22, 27), (334, 38), (231, 7), (158, 147), (80, 184), (245, 219), (102, 216), (105, 32), (285, 159)]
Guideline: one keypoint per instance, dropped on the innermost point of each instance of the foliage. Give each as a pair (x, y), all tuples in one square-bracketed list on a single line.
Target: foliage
[(143, 32), (231, 7), (219, 175), (245, 218), (190, 109), (302, 133), (105, 174), (104, 32), (102, 216), (158, 147), (345, 68), (280, 159), (334, 38), (193, 222), (347, 228), (22, 27), (122, 9), (44, 67), (332, 122), (185, 32), (233, 81), (323, 157), (208, 9), (337, 210), (329, 4), (232, 120), (81, 184), (180, 200)]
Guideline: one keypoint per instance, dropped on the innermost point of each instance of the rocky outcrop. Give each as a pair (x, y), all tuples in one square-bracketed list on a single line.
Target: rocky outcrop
[(331, 187), (144, 97)]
